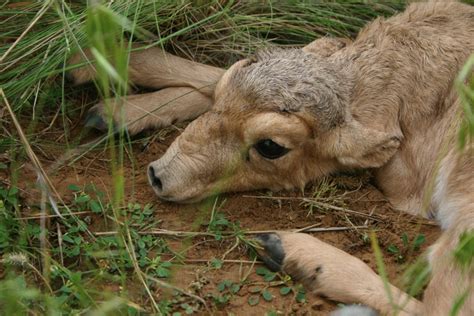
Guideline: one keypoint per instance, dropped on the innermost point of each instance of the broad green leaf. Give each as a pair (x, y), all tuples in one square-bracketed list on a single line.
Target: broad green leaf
[(253, 300)]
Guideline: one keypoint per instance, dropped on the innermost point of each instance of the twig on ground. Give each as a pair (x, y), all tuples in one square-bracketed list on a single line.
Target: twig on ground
[(170, 286), (225, 261), (235, 245), (161, 232), (318, 203), (301, 230), (39, 216), (334, 229), (370, 214), (173, 233)]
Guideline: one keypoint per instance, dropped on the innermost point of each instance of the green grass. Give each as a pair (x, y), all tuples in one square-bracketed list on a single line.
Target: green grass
[(60, 266), (214, 32)]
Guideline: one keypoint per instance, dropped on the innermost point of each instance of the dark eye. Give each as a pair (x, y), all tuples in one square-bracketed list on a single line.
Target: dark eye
[(269, 149)]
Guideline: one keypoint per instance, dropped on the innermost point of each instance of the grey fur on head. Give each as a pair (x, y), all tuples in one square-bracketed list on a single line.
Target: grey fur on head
[(293, 80)]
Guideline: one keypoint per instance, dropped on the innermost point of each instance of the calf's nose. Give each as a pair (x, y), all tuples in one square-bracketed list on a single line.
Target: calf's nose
[(154, 180)]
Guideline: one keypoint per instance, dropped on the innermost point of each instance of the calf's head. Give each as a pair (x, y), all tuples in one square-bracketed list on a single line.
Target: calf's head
[(280, 119)]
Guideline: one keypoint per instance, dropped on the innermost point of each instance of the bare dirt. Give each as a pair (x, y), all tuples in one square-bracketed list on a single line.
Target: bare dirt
[(252, 211)]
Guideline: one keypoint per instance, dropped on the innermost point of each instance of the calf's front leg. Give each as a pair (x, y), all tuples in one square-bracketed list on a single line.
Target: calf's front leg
[(331, 272), (150, 110)]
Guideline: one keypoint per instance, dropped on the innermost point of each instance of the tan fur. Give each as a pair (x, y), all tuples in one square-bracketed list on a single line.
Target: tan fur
[(155, 109), (385, 102), (339, 276)]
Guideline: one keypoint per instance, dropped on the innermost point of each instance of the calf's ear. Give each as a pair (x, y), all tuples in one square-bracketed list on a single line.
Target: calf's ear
[(356, 146), (326, 46), (223, 84)]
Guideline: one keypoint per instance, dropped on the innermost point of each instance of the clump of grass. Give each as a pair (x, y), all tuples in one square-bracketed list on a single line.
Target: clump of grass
[(216, 32)]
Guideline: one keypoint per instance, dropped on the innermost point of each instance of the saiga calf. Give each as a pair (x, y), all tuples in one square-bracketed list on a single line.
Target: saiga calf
[(283, 118)]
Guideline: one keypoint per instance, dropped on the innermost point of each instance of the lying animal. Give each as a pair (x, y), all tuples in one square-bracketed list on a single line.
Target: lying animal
[(283, 118)]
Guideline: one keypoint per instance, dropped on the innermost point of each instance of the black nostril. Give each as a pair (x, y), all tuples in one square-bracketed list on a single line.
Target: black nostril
[(155, 181)]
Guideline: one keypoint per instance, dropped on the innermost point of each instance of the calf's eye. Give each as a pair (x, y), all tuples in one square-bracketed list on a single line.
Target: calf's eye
[(269, 149)]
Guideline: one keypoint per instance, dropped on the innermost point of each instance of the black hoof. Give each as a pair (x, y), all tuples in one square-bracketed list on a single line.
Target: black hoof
[(94, 120), (272, 253)]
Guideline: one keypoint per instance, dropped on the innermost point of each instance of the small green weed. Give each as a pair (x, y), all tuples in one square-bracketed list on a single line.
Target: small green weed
[(10, 228), (324, 193), (407, 246), (227, 289), (219, 224), (283, 283)]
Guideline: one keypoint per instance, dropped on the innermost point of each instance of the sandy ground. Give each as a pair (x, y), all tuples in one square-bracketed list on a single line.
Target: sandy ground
[(363, 204)]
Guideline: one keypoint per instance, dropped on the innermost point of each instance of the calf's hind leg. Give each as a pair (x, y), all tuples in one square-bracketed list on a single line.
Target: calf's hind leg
[(154, 68), (187, 90)]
